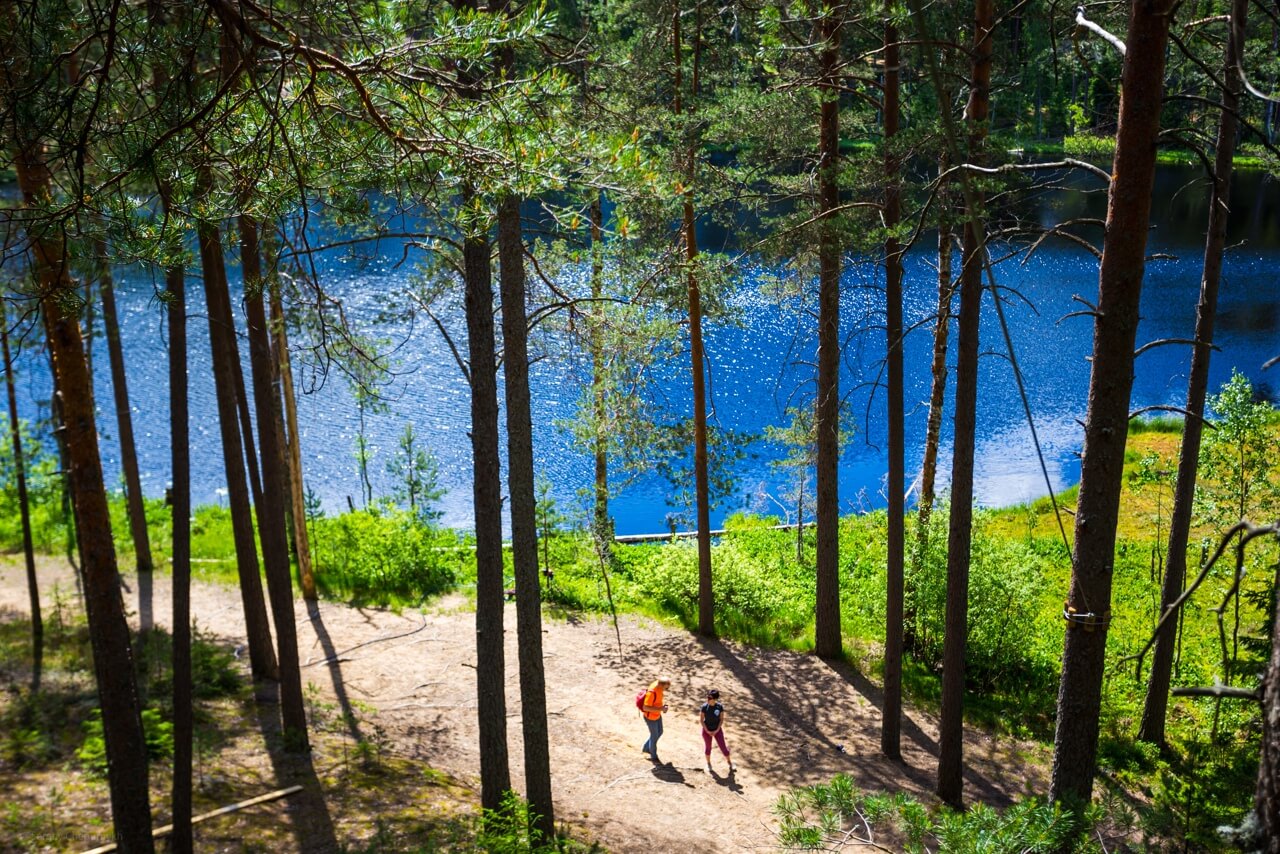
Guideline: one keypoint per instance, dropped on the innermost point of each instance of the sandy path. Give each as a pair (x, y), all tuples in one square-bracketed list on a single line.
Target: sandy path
[(791, 719)]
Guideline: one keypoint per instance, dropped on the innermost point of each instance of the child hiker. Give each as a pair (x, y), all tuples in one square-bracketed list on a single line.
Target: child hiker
[(711, 716)]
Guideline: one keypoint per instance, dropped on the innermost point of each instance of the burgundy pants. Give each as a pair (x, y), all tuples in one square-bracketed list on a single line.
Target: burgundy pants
[(719, 737)]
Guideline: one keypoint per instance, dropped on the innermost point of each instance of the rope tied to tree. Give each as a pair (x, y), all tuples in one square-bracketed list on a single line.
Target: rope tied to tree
[(1086, 620)]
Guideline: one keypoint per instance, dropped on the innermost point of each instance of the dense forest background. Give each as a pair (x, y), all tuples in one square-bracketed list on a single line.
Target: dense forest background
[(547, 170)]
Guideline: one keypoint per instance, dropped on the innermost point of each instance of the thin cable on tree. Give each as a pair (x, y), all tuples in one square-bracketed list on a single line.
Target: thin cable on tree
[(1026, 404)]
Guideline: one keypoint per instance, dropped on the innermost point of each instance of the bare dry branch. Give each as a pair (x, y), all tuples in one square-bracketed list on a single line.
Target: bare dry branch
[(1114, 41)]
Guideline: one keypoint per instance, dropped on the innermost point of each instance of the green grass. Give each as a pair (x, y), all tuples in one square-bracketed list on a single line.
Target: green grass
[(54, 726), (1102, 148), (831, 816), (1157, 424)]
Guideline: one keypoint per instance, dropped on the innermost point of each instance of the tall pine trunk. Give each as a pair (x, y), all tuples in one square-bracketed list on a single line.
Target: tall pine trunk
[(602, 526), (183, 723), (1266, 803), (1157, 701), (226, 365), (524, 520), (486, 490), (688, 229), (120, 394), (495, 774), (71, 522), (128, 449), (826, 630), (271, 530), (938, 375), (959, 534), (891, 712), (24, 509), (246, 424), (1075, 746), (108, 626), (293, 442), (180, 839)]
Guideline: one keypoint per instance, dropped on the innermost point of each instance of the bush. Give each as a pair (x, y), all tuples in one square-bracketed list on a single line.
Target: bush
[(749, 591), (214, 670), (93, 752), (44, 492), (1088, 146), (385, 556), (1013, 642), (838, 813)]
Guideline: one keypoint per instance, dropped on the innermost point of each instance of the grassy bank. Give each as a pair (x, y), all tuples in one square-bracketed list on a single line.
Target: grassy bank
[(1101, 149), (764, 582)]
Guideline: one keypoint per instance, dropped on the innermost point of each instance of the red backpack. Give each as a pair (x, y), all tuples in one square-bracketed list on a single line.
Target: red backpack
[(640, 699)]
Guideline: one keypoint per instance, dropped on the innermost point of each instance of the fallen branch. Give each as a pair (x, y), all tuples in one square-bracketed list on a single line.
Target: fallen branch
[(1065, 163), (252, 802)]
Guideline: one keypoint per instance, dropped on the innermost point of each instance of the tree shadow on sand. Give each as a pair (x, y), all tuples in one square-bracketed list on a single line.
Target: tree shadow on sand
[(988, 792), (332, 659), (311, 823), (814, 718)]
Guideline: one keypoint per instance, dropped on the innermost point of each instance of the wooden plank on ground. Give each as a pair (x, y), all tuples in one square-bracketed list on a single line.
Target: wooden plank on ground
[(252, 802)]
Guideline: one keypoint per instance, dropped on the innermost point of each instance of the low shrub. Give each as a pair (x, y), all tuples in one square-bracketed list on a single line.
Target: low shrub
[(157, 731), (1089, 146), (1013, 642), (385, 556), (839, 814), (214, 670), (750, 593)]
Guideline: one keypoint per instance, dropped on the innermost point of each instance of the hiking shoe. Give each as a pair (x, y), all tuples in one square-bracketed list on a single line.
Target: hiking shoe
[(732, 768), (709, 771)]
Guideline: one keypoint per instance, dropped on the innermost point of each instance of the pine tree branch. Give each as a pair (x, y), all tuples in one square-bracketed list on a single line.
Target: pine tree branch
[(1114, 41)]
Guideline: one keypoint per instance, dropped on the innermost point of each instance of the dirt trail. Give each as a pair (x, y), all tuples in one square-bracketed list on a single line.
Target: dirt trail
[(792, 719)]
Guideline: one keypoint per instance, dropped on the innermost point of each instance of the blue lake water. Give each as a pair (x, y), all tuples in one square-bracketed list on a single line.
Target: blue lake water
[(756, 363)]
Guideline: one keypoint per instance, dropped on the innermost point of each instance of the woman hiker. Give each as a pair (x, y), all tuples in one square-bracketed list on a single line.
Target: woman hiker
[(711, 716), (651, 709)]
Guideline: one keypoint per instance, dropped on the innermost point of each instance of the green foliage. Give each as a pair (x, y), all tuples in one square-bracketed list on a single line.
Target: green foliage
[(386, 556), (671, 455), (1206, 784), (798, 443), (92, 753), (506, 830), (417, 474), (501, 831), (1013, 644), (39, 729), (835, 813), (213, 550), (214, 670), (44, 489), (1089, 147), (1238, 478), (1239, 481), (1157, 424), (747, 592)]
